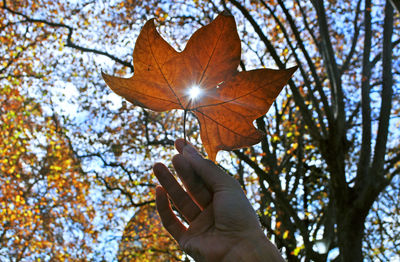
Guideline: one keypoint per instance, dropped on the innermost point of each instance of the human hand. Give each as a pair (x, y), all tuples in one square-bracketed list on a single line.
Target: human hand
[(222, 223)]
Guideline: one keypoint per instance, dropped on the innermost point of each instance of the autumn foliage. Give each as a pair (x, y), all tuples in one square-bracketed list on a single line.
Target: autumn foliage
[(43, 195), (145, 239)]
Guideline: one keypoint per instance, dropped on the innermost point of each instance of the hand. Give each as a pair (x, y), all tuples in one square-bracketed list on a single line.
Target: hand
[(222, 224)]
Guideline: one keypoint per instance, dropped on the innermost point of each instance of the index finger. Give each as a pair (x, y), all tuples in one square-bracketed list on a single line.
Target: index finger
[(192, 182), (211, 174)]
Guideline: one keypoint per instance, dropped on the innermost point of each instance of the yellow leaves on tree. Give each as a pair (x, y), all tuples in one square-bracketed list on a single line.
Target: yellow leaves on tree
[(228, 101), (43, 195)]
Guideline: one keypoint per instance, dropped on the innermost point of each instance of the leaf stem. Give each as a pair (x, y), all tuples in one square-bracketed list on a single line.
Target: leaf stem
[(184, 125), (184, 119)]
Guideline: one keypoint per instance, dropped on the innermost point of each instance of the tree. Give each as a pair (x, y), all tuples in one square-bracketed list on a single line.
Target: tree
[(324, 177), (45, 209), (331, 120)]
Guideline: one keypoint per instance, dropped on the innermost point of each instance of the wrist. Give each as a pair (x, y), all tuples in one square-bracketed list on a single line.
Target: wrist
[(257, 249)]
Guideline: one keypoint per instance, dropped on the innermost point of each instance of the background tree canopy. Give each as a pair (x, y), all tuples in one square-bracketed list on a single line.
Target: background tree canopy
[(75, 159)]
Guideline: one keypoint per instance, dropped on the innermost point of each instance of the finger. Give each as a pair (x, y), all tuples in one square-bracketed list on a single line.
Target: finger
[(180, 143), (173, 225), (181, 199), (192, 182), (211, 174)]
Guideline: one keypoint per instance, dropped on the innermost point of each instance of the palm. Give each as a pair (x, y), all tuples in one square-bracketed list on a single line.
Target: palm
[(214, 232), (204, 237)]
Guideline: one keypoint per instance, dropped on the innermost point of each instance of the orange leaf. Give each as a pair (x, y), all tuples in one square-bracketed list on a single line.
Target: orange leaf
[(229, 101)]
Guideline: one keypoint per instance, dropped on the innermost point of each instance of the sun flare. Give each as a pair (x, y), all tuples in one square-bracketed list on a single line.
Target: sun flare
[(194, 92)]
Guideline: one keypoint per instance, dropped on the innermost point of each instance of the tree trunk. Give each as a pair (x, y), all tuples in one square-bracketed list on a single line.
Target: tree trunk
[(350, 234)]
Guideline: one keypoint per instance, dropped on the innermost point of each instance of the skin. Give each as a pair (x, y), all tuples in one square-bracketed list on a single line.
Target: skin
[(222, 225)]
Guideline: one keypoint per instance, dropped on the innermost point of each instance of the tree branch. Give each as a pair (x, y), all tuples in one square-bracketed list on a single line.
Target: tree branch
[(391, 163), (274, 182), (365, 155), (378, 57), (396, 4), (307, 115), (304, 74), (346, 63), (333, 73), (306, 24), (387, 92), (310, 63), (69, 36)]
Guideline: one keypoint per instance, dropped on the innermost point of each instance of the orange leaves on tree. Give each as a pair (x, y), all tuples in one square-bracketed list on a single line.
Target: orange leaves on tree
[(228, 101), (42, 192), (145, 239)]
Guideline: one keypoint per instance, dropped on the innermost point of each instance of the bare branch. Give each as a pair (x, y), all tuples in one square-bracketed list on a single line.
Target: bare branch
[(310, 63), (364, 162), (349, 56), (396, 4), (387, 92), (307, 24), (333, 73), (378, 57), (318, 85), (283, 201), (391, 164), (69, 37), (307, 115)]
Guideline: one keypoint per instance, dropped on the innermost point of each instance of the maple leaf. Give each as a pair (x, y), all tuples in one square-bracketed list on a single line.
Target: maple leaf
[(228, 101)]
